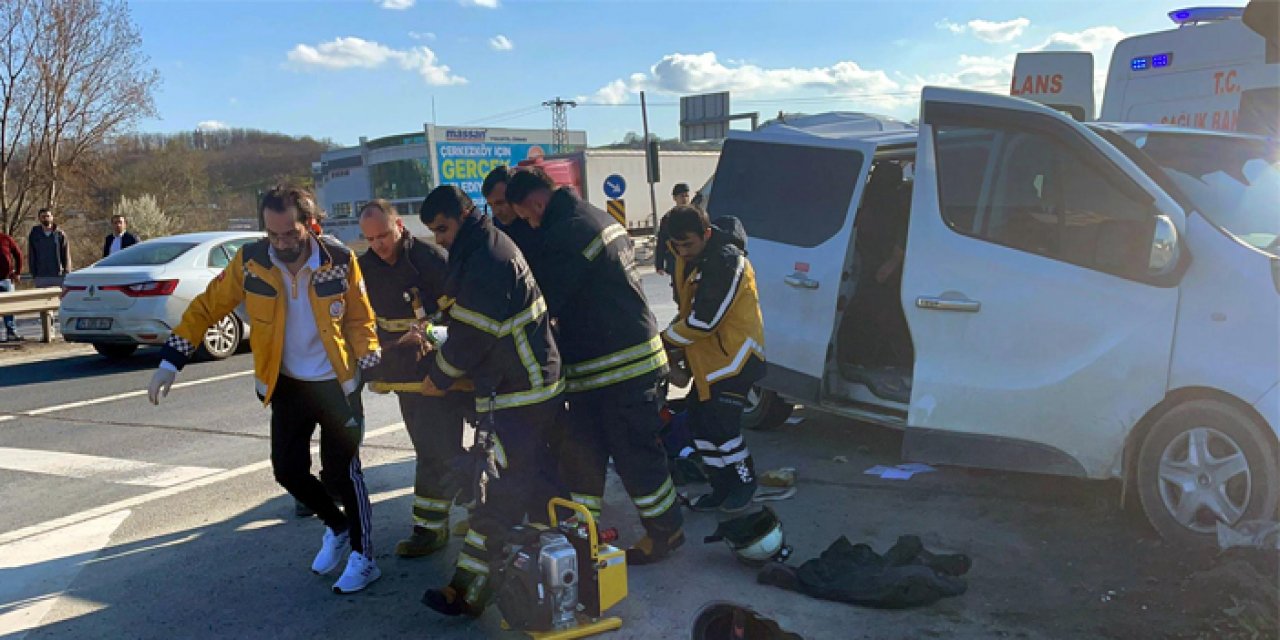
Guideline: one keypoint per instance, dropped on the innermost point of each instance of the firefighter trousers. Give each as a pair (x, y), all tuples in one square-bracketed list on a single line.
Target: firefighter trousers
[(435, 428), (621, 421), (527, 482)]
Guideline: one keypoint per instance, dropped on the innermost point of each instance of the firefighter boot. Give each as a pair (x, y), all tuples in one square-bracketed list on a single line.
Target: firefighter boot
[(467, 594), (422, 542), (651, 549)]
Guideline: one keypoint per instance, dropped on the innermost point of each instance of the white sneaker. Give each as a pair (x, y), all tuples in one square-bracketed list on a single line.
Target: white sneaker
[(360, 573), (332, 548)]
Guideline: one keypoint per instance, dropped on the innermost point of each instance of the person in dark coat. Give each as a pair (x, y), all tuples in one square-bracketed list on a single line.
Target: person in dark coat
[(48, 252), (120, 238)]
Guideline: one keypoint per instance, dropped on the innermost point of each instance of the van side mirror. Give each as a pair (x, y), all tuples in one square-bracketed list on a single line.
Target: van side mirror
[(1165, 249)]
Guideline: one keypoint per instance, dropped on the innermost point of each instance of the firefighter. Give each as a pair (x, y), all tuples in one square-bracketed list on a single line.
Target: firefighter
[(721, 332), (500, 337), (312, 333), (405, 276), (615, 366), (494, 190)]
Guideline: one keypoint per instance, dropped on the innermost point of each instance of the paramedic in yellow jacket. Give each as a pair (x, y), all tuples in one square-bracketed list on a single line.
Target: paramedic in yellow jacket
[(312, 330), (721, 332)]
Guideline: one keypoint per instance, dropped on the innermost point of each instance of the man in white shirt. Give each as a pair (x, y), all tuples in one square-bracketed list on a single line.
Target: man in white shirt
[(119, 238)]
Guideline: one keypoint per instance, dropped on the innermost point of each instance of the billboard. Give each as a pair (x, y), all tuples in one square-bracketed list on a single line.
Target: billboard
[(465, 155)]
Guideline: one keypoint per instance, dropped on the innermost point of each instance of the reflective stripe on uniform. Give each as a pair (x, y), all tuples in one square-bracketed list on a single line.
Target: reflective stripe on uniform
[(579, 369), (614, 376), (431, 504), (467, 563), (475, 539), (658, 502), (609, 234), (429, 524), (475, 319), (594, 504), (739, 359), (674, 336), (448, 369), (395, 325), (521, 398)]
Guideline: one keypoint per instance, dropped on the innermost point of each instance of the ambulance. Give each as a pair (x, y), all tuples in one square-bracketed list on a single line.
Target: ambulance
[(1217, 69)]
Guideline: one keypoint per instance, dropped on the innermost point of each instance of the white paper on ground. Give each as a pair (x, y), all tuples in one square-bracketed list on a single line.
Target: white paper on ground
[(896, 474), (916, 467), (795, 420), (876, 470)]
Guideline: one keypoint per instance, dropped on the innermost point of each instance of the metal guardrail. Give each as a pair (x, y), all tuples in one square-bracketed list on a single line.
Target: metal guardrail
[(42, 301)]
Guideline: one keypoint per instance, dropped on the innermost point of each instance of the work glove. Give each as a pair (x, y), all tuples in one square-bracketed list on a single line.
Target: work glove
[(160, 384)]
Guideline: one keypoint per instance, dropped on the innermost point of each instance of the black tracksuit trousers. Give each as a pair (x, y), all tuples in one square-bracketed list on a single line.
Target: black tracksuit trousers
[(297, 407)]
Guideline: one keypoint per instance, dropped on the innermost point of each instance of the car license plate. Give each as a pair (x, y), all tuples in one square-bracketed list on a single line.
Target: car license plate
[(92, 324)]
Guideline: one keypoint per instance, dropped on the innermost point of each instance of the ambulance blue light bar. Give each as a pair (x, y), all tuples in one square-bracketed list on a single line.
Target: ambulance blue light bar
[(1197, 15), (1157, 61)]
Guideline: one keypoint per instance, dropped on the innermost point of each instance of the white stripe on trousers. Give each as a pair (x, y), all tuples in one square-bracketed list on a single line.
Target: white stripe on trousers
[(363, 507)]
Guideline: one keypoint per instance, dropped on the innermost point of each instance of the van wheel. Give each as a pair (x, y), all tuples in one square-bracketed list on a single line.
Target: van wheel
[(765, 411), (114, 351), (222, 339), (1205, 462)]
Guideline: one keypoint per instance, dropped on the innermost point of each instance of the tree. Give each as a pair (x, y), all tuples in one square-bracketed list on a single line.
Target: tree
[(73, 75), (145, 216)]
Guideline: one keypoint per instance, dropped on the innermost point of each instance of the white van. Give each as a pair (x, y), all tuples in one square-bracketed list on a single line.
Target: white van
[(1021, 291)]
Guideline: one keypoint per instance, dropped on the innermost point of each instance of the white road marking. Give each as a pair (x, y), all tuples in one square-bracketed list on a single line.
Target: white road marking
[(130, 394), (130, 503), (115, 470), (6, 418), (39, 568)]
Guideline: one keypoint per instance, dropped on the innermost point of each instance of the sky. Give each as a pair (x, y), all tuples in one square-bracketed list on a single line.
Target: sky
[(344, 69)]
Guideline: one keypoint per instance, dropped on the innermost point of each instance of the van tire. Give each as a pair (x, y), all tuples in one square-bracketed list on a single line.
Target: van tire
[(222, 340), (765, 410), (1241, 475)]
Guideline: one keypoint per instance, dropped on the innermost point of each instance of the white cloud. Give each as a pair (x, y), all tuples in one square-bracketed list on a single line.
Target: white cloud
[(342, 53), (397, 5), (352, 52), (211, 125), (950, 26), (501, 43), (684, 73), (487, 4), (1098, 40), (418, 35), (996, 32)]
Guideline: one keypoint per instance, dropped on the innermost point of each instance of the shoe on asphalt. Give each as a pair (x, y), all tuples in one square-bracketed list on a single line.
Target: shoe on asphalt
[(449, 601), (332, 548), (13, 337), (422, 542), (650, 550), (738, 498), (361, 571), (709, 501)]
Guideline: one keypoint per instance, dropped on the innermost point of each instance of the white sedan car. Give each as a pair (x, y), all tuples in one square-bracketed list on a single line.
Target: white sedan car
[(136, 296)]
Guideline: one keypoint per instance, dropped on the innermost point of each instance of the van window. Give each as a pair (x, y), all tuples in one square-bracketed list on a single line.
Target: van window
[(1027, 191), (792, 194)]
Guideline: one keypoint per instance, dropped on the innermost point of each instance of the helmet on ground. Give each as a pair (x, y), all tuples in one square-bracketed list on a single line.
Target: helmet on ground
[(728, 621), (755, 538)]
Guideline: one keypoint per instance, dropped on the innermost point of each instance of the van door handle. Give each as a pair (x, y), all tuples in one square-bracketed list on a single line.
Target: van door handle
[(800, 281), (935, 303)]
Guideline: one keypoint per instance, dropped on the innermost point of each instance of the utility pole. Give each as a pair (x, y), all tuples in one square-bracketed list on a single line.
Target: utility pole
[(559, 122), (649, 161)]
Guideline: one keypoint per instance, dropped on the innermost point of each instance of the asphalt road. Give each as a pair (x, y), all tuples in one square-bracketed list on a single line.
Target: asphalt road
[(122, 519)]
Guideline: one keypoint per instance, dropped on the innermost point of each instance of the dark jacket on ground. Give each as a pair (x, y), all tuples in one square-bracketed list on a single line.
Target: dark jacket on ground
[(126, 240), (586, 267), (499, 330), (49, 255), (422, 266), (10, 257)]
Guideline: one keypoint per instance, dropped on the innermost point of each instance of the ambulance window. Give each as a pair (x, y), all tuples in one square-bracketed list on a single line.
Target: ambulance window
[(792, 194), (1029, 192)]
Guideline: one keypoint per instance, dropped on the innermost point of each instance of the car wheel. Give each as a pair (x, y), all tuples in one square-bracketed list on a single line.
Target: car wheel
[(1205, 462), (222, 339), (765, 411), (114, 351)]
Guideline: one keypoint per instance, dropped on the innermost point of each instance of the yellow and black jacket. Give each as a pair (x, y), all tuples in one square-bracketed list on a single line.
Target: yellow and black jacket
[(343, 317), (719, 325), (585, 265), (420, 272), (499, 330)]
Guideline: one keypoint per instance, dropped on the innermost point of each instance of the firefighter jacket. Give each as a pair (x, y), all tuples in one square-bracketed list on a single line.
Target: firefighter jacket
[(719, 325), (586, 267), (499, 331), (416, 279), (339, 305)]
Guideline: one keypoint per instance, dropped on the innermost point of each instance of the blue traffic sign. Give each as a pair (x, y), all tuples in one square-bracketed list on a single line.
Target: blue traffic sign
[(614, 186)]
